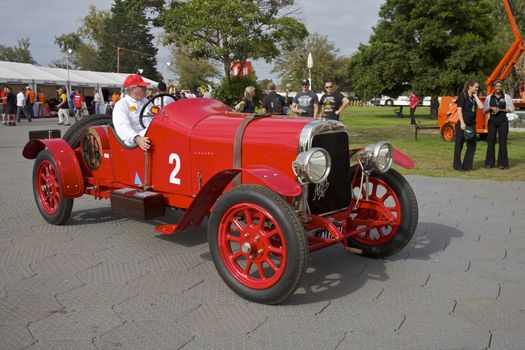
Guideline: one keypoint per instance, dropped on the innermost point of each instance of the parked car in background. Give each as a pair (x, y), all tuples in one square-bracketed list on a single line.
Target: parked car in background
[(398, 102)]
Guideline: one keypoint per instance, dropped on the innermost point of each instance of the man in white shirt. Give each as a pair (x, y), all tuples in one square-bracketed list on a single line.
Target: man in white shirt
[(20, 104), (127, 110)]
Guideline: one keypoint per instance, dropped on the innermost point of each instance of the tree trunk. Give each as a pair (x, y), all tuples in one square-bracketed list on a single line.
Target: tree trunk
[(227, 70), (434, 107)]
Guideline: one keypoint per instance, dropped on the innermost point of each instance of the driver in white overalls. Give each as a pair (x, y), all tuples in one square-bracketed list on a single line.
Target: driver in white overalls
[(127, 110)]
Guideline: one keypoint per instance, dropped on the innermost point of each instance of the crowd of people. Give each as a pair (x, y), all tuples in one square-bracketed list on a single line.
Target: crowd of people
[(15, 106), (304, 104)]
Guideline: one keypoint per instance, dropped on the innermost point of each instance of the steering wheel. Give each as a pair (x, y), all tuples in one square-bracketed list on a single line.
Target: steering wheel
[(151, 100)]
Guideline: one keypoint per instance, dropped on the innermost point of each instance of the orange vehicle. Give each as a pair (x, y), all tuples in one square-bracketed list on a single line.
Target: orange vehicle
[(447, 114)]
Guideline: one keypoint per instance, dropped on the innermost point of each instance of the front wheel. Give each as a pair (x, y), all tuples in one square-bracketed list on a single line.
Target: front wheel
[(257, 243), (54, 208), (393, 193)]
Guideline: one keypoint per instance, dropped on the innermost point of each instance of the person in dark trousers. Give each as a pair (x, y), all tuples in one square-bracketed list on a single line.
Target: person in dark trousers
[(332, 103), (497, 106), (467, 102), (413, 102), (11, 106), (30, 101), (273, 103)]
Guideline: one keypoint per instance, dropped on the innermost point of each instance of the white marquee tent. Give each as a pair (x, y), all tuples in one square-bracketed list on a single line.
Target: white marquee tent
[(24, 73), (47, 80)]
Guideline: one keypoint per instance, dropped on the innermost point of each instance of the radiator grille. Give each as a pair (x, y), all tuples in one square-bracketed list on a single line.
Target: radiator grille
[(335, 193)]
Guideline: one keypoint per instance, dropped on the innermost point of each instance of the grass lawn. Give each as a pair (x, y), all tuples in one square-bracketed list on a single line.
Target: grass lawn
[(432, 155)]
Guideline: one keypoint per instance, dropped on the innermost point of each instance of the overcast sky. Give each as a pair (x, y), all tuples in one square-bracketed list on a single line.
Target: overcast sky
[(345, 22)]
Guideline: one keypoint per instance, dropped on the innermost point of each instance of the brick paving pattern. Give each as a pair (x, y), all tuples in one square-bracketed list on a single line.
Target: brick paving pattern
[(106, 282)]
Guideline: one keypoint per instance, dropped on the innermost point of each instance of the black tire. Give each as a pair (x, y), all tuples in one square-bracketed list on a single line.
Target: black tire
[(389, 103), (448, 132), (409, 216), (65, 205), (72, 135), (291, 229)]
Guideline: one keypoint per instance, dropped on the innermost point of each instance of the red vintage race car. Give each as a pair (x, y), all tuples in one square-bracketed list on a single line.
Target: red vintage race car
[(275, 187)]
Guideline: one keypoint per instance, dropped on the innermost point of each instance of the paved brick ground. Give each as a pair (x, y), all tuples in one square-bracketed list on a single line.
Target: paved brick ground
[(105, 282)]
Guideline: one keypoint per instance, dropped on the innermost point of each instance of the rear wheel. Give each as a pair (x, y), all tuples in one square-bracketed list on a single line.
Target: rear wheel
[(72, 135), (47, 191), (392, 192), (257, 243), (447, 132)]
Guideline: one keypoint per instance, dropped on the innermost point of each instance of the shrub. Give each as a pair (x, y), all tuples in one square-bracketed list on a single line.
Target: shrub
[(232, 92)]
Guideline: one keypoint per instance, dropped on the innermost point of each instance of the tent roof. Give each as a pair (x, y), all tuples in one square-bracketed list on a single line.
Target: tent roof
[(27, 73)]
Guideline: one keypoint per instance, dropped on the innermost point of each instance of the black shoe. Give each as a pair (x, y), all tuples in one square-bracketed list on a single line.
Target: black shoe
[(460, 170), (489, 166)]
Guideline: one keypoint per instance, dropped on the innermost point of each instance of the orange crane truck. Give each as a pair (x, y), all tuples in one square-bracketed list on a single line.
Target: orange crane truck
[(447, 114)]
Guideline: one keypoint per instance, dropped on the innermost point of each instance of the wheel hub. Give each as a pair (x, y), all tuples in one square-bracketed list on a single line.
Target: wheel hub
[(246, 248)]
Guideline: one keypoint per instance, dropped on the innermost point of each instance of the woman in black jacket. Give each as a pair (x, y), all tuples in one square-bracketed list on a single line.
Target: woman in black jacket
[(497, 106)]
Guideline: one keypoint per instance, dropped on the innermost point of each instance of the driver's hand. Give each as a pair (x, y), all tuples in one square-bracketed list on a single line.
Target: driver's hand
[(143, 143)]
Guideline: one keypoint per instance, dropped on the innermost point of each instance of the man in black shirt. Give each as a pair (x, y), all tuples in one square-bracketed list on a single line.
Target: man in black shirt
[(11, 106), (332, 102), (273, 103)]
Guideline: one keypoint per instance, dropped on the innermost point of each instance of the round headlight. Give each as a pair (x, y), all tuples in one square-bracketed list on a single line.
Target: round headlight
[(313, 165), (379, 156)]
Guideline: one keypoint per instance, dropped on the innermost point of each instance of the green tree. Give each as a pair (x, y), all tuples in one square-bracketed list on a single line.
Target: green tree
[(291, 66), (192, 72), (125, 26), (128, 30), (232, 91), (232, 30), (84, 42), (19, 53), (263, 84), (429, 46)]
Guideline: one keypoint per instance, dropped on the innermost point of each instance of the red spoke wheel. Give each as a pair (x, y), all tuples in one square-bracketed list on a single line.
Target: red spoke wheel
[(394, 198), (46, 188), (257, 243)]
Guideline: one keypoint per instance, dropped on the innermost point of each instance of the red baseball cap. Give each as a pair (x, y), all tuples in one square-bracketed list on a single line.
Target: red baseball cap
[(134, 80)]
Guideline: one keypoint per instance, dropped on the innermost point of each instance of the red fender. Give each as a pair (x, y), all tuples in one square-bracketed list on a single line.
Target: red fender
[(68, 167), (403, 160), (274, 179), (400, 158)]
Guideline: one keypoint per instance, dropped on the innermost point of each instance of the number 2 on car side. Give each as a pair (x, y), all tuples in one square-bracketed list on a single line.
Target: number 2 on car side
[(174, 158)]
